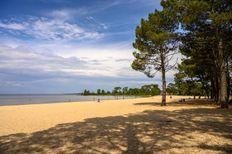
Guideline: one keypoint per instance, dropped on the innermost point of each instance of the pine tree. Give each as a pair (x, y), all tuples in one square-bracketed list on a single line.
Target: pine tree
[(156, 44)]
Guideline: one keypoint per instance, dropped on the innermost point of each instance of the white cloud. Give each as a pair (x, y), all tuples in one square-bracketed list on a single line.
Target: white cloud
[(113, 60), (25, 61), (12, 26), (67, 13), (50, 29), (33, 64), (96, 23)]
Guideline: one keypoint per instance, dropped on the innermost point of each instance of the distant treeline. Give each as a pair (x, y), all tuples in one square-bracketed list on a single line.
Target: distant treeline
[(146, 90)]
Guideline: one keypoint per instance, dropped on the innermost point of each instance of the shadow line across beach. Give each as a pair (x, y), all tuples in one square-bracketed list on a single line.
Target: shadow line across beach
[(193, 130)]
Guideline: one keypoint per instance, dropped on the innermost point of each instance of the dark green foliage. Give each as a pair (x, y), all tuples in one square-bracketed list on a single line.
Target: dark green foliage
[(146, 90), (98, 91), (187, 82), (156, 44), (117, 91), (172, 89), (151, 89), (86, 92), (206, 41), (103, 92), (154, 39)]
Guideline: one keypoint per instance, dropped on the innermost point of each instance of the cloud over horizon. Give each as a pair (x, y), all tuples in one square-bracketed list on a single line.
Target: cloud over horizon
[(67, 46)]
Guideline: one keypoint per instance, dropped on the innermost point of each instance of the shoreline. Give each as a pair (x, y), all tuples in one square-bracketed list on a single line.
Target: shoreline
[(93, 100), (28, 99), (66, 102)]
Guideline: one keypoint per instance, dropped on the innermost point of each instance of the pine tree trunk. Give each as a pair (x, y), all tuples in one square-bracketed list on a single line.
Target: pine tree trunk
[(228, 80), (163, 89), (213, 89), (223, 97), (163, 71), (223, 78), (219, 88)]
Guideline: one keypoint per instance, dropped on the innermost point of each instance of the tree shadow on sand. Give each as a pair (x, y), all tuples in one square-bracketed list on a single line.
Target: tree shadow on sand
[(159, 131), (191, 102)]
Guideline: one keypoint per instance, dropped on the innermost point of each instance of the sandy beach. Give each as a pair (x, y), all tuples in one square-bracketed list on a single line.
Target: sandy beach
[(37, 117), (116, 126)]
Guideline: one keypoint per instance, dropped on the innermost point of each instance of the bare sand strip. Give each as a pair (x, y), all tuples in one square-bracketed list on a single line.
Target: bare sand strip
[(116, 126), (36, 117)]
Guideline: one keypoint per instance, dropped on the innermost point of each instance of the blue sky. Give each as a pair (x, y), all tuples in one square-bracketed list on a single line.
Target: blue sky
[(59, 46)]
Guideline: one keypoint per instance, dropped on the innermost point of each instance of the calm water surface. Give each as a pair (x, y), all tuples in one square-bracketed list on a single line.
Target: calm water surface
[(55, 98)]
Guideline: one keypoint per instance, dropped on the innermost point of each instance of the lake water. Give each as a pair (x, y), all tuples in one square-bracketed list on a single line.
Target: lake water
[(55, 98)]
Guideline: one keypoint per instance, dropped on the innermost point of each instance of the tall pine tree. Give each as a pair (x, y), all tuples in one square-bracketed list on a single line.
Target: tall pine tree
[(155, 43)]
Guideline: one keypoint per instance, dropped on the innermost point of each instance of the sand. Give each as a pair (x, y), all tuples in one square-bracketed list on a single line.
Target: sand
[(116, 126), (36, 117)]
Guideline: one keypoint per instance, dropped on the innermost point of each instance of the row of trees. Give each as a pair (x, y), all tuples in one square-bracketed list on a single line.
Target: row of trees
[(201, 30), (146, 90)]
